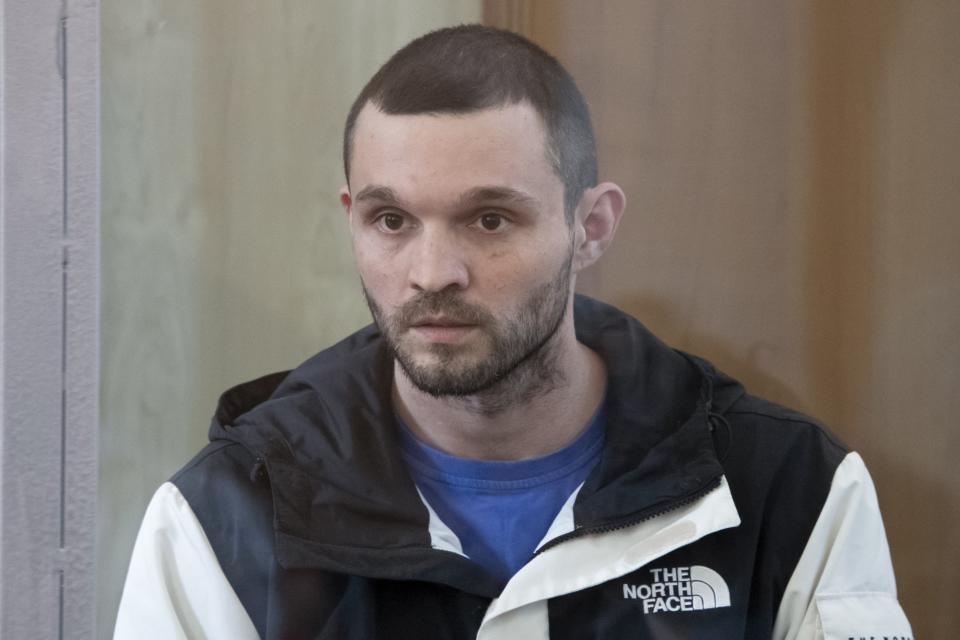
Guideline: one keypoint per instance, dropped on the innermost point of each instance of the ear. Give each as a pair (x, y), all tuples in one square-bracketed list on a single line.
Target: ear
[(345, 200), (597, 217)]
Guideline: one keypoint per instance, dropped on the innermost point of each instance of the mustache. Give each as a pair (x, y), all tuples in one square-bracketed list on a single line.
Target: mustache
[(446, 302)]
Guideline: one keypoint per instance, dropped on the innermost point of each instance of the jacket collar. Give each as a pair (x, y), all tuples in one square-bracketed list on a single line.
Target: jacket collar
[(659, 448), (344, 501)]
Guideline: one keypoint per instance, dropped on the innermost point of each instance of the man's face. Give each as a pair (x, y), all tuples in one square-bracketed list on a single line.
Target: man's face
[(461, 242)]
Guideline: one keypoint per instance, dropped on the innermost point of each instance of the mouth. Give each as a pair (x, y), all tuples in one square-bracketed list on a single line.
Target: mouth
[(441, 329), (441, 322)]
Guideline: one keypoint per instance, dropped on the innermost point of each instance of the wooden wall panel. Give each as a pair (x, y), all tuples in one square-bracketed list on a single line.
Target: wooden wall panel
[(793, 195)]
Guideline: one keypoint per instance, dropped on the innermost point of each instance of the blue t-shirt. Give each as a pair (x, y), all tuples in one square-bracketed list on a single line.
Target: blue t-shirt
[(500, 510)]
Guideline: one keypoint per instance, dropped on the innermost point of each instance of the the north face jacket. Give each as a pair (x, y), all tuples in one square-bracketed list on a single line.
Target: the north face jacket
[(712, 514)]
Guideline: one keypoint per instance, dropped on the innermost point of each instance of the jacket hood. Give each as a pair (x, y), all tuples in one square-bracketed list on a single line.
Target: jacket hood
[(325, 434)]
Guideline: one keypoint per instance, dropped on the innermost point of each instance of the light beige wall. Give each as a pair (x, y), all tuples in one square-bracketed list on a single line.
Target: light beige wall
[(791, 171), (225, 252)]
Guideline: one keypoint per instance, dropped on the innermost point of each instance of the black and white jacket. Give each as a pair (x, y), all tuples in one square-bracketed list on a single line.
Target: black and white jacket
[(712, 514)]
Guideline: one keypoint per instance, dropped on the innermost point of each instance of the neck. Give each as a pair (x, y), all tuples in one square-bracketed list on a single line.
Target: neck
[(535, 411)]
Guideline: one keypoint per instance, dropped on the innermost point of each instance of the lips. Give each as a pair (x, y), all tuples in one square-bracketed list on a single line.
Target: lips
[(442, 330), (441, 322)]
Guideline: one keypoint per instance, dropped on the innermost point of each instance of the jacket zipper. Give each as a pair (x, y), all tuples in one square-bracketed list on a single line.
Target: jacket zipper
[(581, 530)]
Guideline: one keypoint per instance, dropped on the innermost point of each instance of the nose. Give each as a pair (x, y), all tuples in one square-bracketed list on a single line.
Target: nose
[(437, 263)]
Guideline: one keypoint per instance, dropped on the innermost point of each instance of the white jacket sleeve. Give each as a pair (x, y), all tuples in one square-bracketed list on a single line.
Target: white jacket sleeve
[(843, 585), (175, 587)]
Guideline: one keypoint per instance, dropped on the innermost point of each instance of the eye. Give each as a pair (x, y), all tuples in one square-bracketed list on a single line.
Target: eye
[(390, 222), (492, 222)]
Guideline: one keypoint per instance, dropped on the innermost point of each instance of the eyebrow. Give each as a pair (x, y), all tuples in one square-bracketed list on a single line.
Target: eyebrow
[(504, 195), (377, 192), (477, 195)]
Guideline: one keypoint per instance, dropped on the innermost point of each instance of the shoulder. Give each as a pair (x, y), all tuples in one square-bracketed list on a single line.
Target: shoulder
[(229, 494), (771, 439), (221, 461), (781, 466), (231, 499)]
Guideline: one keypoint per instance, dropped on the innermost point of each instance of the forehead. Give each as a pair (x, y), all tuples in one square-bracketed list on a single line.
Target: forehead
[(445, 155)]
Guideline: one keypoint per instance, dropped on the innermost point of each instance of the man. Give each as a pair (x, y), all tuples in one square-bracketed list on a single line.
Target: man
[(496, 458)]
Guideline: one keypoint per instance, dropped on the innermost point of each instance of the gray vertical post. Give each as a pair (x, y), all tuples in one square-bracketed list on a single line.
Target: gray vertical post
[(49, 306)]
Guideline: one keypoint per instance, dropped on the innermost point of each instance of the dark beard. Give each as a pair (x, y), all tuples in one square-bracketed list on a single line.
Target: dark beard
[(521, 361)]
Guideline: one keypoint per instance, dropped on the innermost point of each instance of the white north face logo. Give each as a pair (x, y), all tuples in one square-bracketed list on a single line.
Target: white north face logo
[(680, 589)]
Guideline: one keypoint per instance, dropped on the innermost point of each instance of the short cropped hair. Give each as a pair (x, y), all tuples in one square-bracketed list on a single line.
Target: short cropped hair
[(472, 67)]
